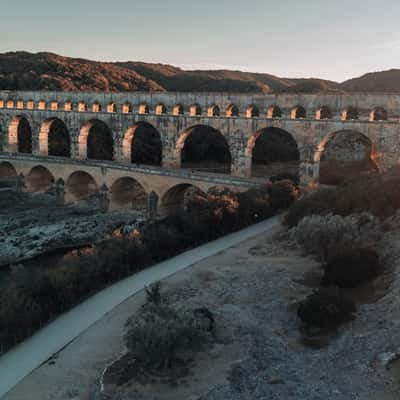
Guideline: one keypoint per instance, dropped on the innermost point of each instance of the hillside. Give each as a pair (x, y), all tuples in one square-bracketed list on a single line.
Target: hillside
[(384, 81), (47, 71)]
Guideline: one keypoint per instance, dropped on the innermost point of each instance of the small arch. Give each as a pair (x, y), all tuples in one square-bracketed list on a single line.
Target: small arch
[(7, 170), (213, 111), (54, 106), (232, 111), (127, 192), (127, 108), (298, 112), (178, 109), (1, 103), (273, 152), (10, 103), (80, 185), (252, 111), (111, 107), (350, 113), (161, 109), (345, 154), (20, 104), (203, 148), (143, 109), (142, 145), (39, 179), (41, 105), (96, 141), (274, 112), (195, 110), (323, 112), (20, 135), (96, 107), (30, 105), (68, 106), (378, 114), (174, 199), (54, 138), (82, 107)]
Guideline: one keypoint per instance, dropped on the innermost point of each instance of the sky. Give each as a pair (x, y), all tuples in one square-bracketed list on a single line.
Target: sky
[(335, 39)]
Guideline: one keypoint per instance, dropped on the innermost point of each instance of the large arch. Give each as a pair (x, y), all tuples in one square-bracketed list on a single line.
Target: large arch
[(203, 148), (20, 135), (54, 138), (39, 179), (80, 185), (174, 199), (345, 154), (96, 141), (273, 152), (7, 170), (127, 192), (142, 145)]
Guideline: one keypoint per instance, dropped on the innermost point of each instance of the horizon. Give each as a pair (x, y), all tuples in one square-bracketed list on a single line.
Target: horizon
[(266, 38)]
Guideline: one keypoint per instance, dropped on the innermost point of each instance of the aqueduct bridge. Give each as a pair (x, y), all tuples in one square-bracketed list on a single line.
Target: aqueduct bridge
[(158, 140)]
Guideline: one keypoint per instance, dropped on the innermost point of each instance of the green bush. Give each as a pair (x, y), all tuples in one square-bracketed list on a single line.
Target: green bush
[(326, 308), (351, 267), (159, 334)]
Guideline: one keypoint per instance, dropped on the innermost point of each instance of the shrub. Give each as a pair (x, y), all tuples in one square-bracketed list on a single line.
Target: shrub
[(282, 194), (352, 267), (158, 335), (326, 308), (153, 293), (321, 234), (254, 205)]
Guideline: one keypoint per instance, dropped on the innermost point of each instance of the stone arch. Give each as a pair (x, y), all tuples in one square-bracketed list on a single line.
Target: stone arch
[(20, 104), (232, 111), (80, 185), (111, 107), (82, 107), (378, 114), (142, 145), (10, 103), (298, 112), (213, 111), (127, 108), (42, 105), (127, 192), (274, 112), (350, 113), (20, 135), (96, 107), (345, 154), (68, 106), (161, 109), (204, 148), (54, 138), (174, 199), (54, 105), (195, 110), (144, 108), (39, 179), (7, 170), (96, 141), (323, 112), (178, 109), (252, 111), (273, 152), (30, 105)]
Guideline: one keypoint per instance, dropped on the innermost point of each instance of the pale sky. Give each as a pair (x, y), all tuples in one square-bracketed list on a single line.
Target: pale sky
[(331, 39)]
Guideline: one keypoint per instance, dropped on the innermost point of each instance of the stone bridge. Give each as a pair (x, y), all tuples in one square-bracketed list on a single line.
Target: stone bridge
[(168, 131)]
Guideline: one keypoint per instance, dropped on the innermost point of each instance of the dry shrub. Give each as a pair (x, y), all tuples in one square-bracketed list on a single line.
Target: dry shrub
[(351, 267), (326, 308), (159, 335)]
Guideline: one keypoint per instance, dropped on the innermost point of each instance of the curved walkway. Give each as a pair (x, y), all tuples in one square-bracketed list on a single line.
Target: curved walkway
[(26, 357)]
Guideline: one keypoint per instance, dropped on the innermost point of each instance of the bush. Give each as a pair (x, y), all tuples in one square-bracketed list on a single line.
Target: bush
[(254, 206), (283, 194), (352, 267), (158, 335), (326, 308), (320, 235)]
